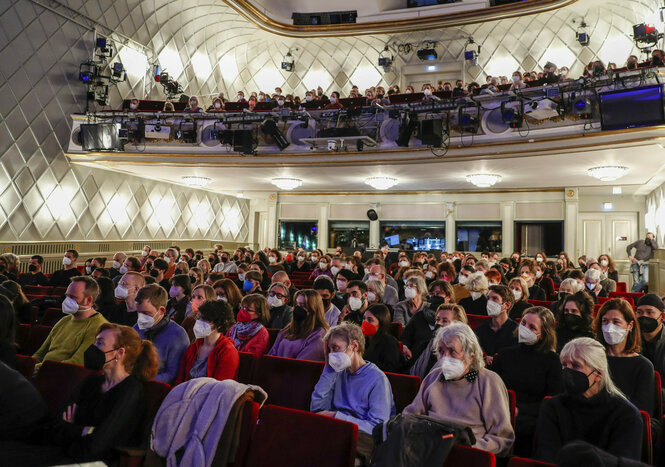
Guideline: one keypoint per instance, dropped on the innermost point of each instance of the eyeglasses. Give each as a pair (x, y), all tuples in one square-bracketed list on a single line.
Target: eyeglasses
[(275, 294)]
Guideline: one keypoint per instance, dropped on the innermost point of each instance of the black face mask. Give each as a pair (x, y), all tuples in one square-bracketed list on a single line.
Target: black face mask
[(225, 259), (198, 257), (572, 321), (211, 259), (299, 314), (648, 324), (562, 295), (647, 242), (177, 271), (154, 272), (379, 96), (32, 268), (94, 358), (326, 302), (235, 257), (575, 382), (631, 65)]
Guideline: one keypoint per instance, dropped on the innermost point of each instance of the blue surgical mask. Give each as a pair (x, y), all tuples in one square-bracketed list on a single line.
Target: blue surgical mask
[(247, 285)]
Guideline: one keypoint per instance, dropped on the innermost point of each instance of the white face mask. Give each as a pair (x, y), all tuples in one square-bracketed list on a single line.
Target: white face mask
[(463, 279), (429, 275), (240, 97), (539, 260), (274, 302), (272, 259), (475, 295), (241, 276), (88, 270), (334, 270), (301, 259), (366, 270), (371, 296), (323, 265), (348, 266), (452, 368), (427, 92), (517, 294), (133, 106), (341, 285), (144, 321), (339, 361), (121, 292), (590, 285), (539, 274), (604, 263), (66, 261), (308, 98), (224, 299), (355, 303), (123, 269), (403, 264), (202, 329), (526, 335), (333, 100), (493, 308), (167, 259), (116, 264), (69, 306), (410, 293), (218, 105), (144, 253), (280, 102), (516, 79), (614, 334)]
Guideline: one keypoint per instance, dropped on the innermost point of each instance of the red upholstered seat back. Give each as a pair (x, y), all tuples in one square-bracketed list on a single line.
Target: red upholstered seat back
[(36, 338), (468, 456), (246, 367), (288, 382), (25, 365), (56, 380), (476, 320), (404, 387), (522, 462), (296, 438)]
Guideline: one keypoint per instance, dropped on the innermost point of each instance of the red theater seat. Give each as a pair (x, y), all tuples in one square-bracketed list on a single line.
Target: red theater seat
[(469, 457), (288, 382), (36, 338), (622, 287), (476, 320), (52, 316), (22, 335), (272, 337), (321, 441), (56, 381), (522, 462), (544, 303), (658, 394), (647, 442), (404, 387), (396, 330), (58, 291), (25, 365), (37, 290), (635, 296), (188, 325), (512, 401), (246, 368), (602, 300)]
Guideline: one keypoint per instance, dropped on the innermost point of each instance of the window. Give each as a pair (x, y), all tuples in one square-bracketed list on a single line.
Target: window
[(293, 234), (478, 236), (351, 234), (532, 237), (414, 235)]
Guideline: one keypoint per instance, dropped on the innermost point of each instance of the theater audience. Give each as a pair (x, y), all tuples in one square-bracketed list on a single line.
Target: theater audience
[(390, 295), (381, 348), (322, 268), (158, 271), (73, 334), (225, 264), (200, 294), (532, 369), (301, 264), (354, 310), (61, 277), (9, 266), (568, 287), (649, 314), (591, 408), (281, 313), (21, 304), (617, 329), (152, 324), (520, 291), (608, 266), (227, 291), (499, 332), (118, 261), (125, 311), (476, 303), (212, 354), (351, 388), (34, 276), (180, 293), (460, 390), (375, 291), (527, 270), (252, 282), (249, 334), (8, 326), (302, 338), (415, 293), (574, 318), (196, 276)]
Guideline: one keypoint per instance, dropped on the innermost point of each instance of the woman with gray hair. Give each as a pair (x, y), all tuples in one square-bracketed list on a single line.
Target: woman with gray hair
[(591, 408), (568, 287), (9, 266), (460, 390), (375, 291), (593, 285), (478, 288), (415, 291)]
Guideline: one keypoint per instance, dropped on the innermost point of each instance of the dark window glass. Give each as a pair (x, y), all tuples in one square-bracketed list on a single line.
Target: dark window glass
[(478, 236), (352, 234), (293, 234), (414, 235), (532, 237)]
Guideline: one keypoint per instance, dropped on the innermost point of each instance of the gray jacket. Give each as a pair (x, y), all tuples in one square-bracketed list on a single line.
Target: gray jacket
[(642, 250)]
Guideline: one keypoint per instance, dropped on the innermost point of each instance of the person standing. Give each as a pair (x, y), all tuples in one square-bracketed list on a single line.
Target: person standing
[(640, 261)]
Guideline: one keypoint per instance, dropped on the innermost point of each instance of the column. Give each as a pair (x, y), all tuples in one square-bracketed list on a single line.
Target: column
[(272, 221), (508, 227), (374, 228), (322, 231), (571, 206), (451, 234)]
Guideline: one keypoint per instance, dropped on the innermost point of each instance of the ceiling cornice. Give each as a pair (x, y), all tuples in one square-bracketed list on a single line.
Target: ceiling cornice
[(250, 12)]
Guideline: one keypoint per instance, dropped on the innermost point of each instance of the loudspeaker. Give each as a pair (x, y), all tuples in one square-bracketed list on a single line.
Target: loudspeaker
[(372, 215), (431, 132)]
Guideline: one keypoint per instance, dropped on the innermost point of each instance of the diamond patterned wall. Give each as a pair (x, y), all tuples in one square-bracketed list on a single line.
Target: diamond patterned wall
[(42, 197)]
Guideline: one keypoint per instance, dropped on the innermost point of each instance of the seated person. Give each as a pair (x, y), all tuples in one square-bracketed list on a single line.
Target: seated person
[(227, 291), (377, 271), (225, 264), (217, 105), (212, 354), (381, 347), (152, 324), (446, 313), (201, 294), (532, 369), (354, 310), (180, 293), (322, 268), (252, 282), (8, 326), (193, 105), (460, 390), (334, 102), (278, 301), (593, 285), (350, 388), (23, 408), (34, 276), (616, 328), (476, 302), (574, 318), (590, 409), (520, 291), (415, 293), (303, 337), (61, 277), (649, 314), (249, 334), (499, 332), (568, 286), (74, 333), (324, 286), (527, 270), (125, 310)]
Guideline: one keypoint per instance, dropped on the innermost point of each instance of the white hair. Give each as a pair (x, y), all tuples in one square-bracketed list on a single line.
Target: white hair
[(572, 283), (477, 282), (592, 274), (420, 285), (379, 288), (473, 353), (591, 353)]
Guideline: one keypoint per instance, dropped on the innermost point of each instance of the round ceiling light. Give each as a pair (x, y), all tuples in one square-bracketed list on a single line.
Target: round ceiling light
[(483, 180), (196, 182), (381, 183), (285, 183), (608, 173)]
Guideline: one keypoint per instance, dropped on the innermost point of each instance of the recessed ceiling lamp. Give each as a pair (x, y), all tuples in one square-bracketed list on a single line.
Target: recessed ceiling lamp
[(285, 183), (196, 182), (483, 180), (381, 183), (607, 173)]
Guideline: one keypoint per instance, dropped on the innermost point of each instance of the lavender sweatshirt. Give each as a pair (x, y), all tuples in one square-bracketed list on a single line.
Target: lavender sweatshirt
[(308, 348)]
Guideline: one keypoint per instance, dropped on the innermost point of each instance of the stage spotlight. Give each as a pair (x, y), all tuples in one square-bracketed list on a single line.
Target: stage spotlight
[(269, 127), (646, 34), (406, 128), (87, 72), (583, 108), (385, 61), (471, 54), (512, 113), (582, 36), (288, 63), (427, 54), (469, 122)]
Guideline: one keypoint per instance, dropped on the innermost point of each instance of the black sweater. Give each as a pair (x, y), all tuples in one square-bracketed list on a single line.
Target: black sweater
[(22, 409), (492, 341), (384, 352), (418, 332), (474, 307), (608, 422), (115, 415), (518, 308), (634, 377), (62, 277)]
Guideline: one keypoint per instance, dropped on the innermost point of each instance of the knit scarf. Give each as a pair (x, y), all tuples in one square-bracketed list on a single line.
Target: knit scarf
[(243, 332)]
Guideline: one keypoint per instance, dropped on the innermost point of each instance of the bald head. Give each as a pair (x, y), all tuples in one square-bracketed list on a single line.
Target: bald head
[(283, 277)]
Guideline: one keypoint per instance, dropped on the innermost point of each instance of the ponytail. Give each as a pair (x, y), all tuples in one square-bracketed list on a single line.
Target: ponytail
[(140, 358), (147, 362)]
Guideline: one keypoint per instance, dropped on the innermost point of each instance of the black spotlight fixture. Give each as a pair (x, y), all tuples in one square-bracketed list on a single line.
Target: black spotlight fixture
[(584, 108), (406, 129), (269, 127), (512, 113), (581, 35), (428, 53), (468, 118), (288, 63)]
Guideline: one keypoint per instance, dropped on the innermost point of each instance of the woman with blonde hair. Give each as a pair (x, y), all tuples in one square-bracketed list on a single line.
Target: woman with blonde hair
[(303, 337), (478, 287), (520, 291), (196, 276)]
